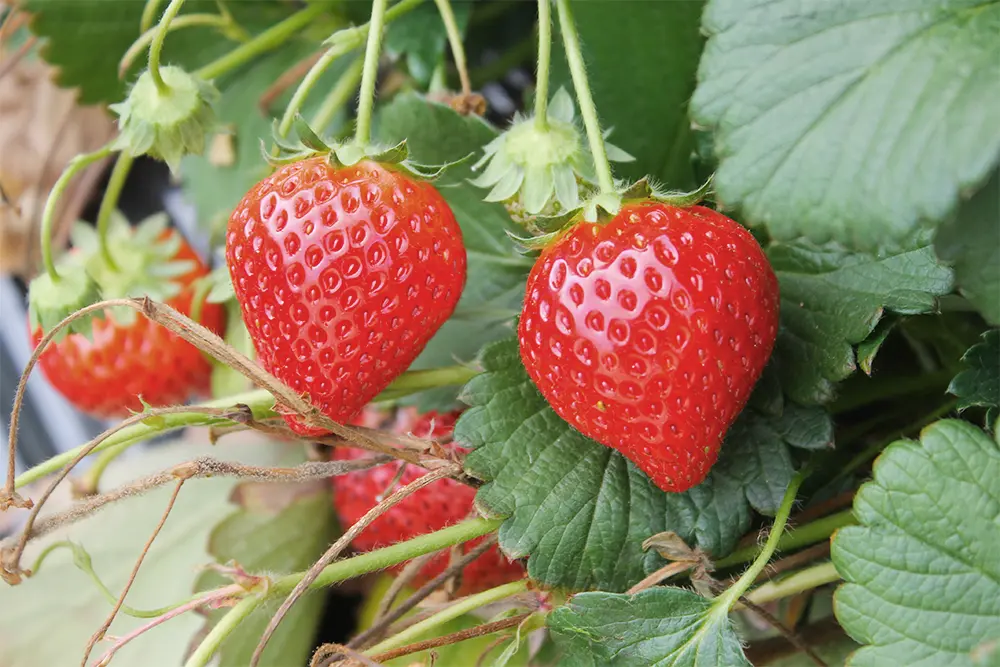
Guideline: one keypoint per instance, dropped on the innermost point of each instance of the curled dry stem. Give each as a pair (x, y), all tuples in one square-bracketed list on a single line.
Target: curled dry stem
[(338, 547), (326, 651)]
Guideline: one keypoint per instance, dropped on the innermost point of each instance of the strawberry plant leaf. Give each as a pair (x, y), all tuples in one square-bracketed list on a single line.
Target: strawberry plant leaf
[(421, 37), (923, 580), (582, 510), (820, 116), (832, 299), (980, 384), (971, 243), (104, 30), (436, 134), (279, 528), (652, 126), (870, 346), (658, 627)]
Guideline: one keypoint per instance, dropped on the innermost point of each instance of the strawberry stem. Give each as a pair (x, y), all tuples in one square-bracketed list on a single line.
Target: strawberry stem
[(369, 77), (455, 41), (339, 96), (157, 46), (224, 23), (76, 165), (544, 59), (109, 202), (578, 71), (149, 14)]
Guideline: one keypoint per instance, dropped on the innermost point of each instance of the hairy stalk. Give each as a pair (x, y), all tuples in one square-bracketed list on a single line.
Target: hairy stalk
[(544, 58), (455, 42), (339, 571), (803, 580), (578, 72), (266, 41), (450, 613), (157, 46), (535, 619), (339, 96), (109, 202), (801, 536), (149, 13), (338, 547), (222, 21), (369, 77)]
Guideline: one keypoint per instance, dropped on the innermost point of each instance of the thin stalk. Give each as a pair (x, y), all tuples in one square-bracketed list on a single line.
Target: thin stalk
[(157, 46), (803, 580), (455, 41), (186, 21), (340, 571), (339, 96), (270, 39), (369, 77), (544, 59), (149, 14), (110, 201), (449, 613), (78, 163), (578, 72), (801, 536)]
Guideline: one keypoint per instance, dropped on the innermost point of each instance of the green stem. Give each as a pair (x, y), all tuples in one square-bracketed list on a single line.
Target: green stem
[(157, 46), (338, 97), (544, 58), (413, 381), (372, 561), (743, 584), (455, 41), (186, 21), (110, 201), (578, 71), (803, 580), (270, 39), (449, 613), (869, 391), (76, 165), (802, 536), (149, 14), (369, 77)]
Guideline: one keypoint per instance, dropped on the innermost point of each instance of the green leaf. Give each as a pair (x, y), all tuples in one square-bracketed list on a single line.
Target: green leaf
[(659, 627), (48, 619), (642, 59), (971, 243), (279, 528), (857, 121), (832, 299), (870, 346), (103, 30), (421, 36), (923, 578), (980, 384), (436, 134), (580, 510)]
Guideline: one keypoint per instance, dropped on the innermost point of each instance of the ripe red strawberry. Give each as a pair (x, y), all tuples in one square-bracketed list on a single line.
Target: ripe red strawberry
[(432, 508), (649, 332), (343, 276), (106, 376)]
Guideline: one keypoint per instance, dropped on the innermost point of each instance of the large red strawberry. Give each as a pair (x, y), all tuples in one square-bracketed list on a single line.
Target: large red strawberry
[(648, 333), (343, 275), (434, 507), (128, 356)]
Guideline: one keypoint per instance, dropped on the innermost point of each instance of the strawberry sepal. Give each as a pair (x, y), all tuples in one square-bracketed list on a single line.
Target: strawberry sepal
[(51, 301)]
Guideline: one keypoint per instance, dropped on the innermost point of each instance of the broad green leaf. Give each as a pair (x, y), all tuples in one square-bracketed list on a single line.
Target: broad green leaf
[(279, 528), (922, 573), (641, 58), (580, 510), (436, 134), (858, 121), (659, 627), (421, 37), (980, 384), (85, 39), (832, 299), (48, 619), (971, 243)]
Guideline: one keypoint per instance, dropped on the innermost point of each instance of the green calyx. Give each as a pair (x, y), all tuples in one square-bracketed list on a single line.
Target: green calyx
[(170, 125), (51, 301), (541, 169)]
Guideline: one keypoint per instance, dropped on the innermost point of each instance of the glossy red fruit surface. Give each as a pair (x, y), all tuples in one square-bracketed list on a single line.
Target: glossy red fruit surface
[(106, 376), (432, 508), (343, 276), (648, 333)]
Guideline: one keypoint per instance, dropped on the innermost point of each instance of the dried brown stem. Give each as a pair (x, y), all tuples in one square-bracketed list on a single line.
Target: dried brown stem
[(378, 628), (455, 637), (341, 544), (795, 560), (787, 633), (411, 570), (668, 570), (11, 61), (326, 651), (99, 635), (285, 81), (829, 506)]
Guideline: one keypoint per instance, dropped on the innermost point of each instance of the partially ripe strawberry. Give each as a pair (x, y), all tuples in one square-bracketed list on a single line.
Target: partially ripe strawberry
[(343, 275), (432, 508), (649, 332), (128, 356)]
